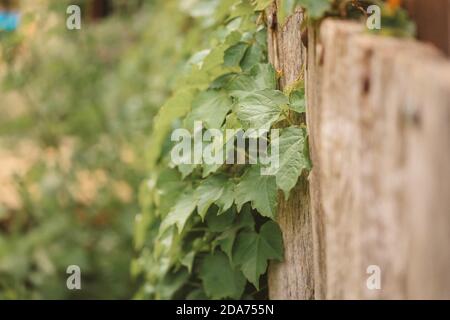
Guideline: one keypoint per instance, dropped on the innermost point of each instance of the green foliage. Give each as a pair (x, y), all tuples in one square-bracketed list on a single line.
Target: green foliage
[(254, 250), (177, 106), (216, 222), (181, 212), (96, 121), (76, 112), (297, 101), (259, 190), (293, 158), (210, 191), (220, 278), (204, 102), (260, 109)]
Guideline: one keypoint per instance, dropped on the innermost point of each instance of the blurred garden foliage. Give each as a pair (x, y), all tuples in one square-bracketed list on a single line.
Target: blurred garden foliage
[(76, 111)]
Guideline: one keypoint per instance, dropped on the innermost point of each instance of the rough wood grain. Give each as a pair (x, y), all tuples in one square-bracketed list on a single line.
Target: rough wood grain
[(380, 141), (313, 114), (293, 278)]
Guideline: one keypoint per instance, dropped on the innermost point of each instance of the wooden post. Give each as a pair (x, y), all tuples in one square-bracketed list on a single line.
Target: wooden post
[(313, 115), (380, 143), (292, 279)]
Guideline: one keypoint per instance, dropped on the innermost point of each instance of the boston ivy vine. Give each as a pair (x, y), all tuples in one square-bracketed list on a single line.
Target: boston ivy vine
[(208, 231)]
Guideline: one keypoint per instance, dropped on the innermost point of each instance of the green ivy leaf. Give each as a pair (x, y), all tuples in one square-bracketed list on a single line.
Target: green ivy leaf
[(241, 84), (219, 144), (226, 200), (264, 76), (253, 55), (297, 101), (223, 9), (234, 54), (227, 239), (171, 283), (292, 143), (181, 212), (169, 188), (242, 9), (209, 191), (214, 58), (209, 169), (222, 81), (253, 250), (209, 64), (188, 261), (260, 190), (260, 77), (220, 279), (167, 244), (210, 107), (177, 106), (260, 109), (186, 169), (220, 223), (197, 294)]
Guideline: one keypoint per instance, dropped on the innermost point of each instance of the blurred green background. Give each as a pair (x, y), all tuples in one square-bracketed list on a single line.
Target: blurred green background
[(76, 110)]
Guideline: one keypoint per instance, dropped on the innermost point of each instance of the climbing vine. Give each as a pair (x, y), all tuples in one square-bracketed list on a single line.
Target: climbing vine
[(208, 231)]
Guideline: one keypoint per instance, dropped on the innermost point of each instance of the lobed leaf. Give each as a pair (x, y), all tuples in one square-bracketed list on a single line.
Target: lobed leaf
[(253, 250), (260, 191)]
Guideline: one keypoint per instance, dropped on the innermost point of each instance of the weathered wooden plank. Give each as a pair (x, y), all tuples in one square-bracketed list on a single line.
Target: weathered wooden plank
[(293, 278), (313, 114), (337, 134), (380, 143)]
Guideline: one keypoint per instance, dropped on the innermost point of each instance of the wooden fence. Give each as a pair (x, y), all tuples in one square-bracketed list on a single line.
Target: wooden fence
[(379, 193)]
